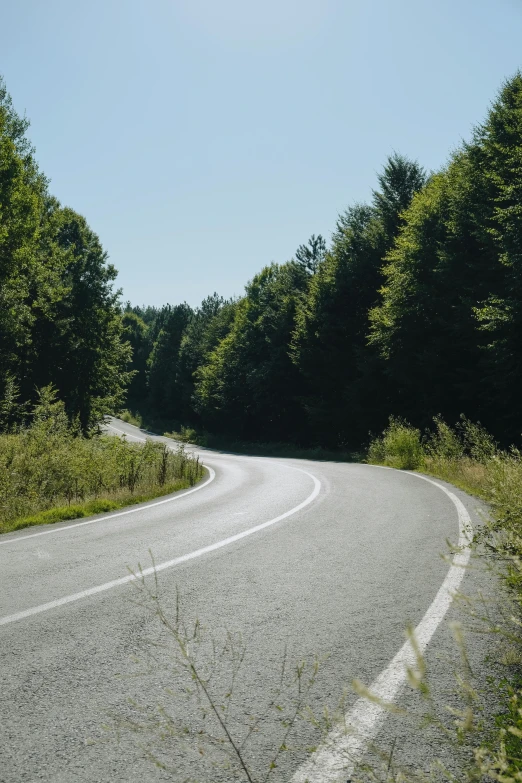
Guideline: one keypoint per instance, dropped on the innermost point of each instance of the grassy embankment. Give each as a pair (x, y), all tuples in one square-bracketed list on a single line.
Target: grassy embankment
[(468, 457), (49, 472)]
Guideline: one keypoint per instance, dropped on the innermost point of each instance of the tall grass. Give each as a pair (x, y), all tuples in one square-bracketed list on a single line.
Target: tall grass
[(48, 470)]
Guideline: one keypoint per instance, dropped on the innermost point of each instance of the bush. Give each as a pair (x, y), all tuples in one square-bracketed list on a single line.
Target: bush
[(477, 442), (444, 443), (131, 418), (399, 446), (185, 435)]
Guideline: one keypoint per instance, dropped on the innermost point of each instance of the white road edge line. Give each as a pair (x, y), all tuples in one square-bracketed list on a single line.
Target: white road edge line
[(127, 434), (335, 760), (66, 528), (13, 618)]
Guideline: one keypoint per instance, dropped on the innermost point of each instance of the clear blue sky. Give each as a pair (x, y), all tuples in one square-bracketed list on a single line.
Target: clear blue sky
[(203, 139)]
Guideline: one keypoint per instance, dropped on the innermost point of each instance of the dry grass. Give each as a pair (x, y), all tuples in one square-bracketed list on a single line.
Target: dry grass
[(465, 473)]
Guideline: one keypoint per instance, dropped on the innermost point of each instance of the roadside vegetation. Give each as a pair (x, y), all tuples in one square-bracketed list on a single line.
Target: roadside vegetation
[(225, 727), (51, 471), (131, 418)]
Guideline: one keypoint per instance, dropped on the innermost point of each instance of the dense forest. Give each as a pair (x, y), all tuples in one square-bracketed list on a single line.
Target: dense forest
[(413, 309)]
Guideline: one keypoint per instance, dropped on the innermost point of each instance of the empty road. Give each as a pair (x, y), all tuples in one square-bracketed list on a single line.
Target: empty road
[(301, 558)]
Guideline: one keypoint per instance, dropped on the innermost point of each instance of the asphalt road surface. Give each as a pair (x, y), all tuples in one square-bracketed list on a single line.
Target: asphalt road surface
[(300, 558)]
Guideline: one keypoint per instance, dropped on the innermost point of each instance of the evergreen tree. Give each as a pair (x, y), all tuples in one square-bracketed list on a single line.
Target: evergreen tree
[(496, 152), (210, 324), (165, 390), (344, 392), (399, 180), (136, 331), (311, 254), (248, 386), (448, 324)]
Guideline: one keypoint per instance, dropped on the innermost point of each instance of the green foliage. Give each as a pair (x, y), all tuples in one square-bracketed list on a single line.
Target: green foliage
[(330, 328), (344, 379), (496, 151), (132, 418), (97, 506), (59, 319), (467, 456), (164, 385), (449, 322), (77, 337), (312, 254), (185, 435), (248, 384), (445, 443), (399, 447), (49, 464), (22, 201), (210, 324), (11, 410), (399, 180), (477, 443), (415, 307), (136, 332)]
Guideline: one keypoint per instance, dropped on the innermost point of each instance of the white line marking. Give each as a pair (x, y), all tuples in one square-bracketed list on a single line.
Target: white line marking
[(336, 759), (180, 494), (13, 618), (127, 434)]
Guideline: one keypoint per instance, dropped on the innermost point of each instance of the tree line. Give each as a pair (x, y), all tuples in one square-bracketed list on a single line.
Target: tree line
[(60, 319), (414, 309)]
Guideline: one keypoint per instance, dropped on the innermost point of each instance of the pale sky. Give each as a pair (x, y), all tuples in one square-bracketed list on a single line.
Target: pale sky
[(203, 139)]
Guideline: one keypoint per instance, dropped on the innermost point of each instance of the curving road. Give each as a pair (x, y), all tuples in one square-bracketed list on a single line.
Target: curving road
[(320, 558)]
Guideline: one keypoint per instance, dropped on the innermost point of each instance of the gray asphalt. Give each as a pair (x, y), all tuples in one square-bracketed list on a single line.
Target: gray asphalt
[(340, 579)]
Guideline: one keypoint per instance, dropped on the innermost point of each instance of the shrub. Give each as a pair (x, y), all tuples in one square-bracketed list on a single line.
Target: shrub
[(444, 443), (131, 418), (185, 435), (399, 446), (478, 443)]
